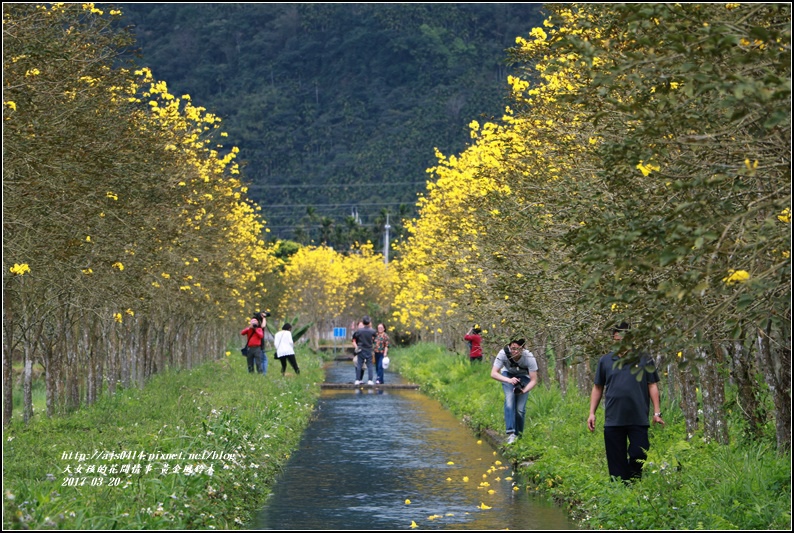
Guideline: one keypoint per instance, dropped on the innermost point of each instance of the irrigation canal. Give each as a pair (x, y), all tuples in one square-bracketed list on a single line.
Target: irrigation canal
[(392, 458)]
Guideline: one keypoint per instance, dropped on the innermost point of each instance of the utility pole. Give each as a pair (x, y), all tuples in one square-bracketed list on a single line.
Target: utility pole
[(386, 242)]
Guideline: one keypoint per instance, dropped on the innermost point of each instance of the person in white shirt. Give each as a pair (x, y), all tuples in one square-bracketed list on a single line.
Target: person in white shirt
[(285, 351), (517, 371)]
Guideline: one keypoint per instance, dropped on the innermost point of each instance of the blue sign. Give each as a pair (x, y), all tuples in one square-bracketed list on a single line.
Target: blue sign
[(340, 332)]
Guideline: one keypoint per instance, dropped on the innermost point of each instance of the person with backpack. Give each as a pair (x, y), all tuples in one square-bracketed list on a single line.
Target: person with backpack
[(517, 370), (255, 335)]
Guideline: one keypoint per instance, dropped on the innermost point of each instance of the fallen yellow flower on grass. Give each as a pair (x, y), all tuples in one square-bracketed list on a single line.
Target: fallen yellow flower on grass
[(485, 507)]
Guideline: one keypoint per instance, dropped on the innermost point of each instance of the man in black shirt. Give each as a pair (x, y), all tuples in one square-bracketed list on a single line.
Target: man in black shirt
[(363, 340), (626, 407)]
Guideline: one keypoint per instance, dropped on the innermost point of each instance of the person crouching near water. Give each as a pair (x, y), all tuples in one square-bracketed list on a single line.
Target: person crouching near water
[(285, 349), (517, 370)]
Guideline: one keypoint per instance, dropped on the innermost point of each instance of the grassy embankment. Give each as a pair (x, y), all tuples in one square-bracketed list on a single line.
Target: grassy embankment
[(686, 484), (242, 426)]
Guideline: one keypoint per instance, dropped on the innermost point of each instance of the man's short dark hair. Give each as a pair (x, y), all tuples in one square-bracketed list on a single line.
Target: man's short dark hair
[(623, 326), (520, 342), (366, 320)]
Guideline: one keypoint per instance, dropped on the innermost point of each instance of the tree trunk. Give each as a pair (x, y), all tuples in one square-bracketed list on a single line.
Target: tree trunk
[(776, 364), (542, 357), (560, 370), (743, 373), (689, 399), (712, 390), (27, 386), (8, 358)]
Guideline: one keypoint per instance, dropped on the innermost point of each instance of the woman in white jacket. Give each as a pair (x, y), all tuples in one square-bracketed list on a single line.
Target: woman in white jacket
[(285, 351)]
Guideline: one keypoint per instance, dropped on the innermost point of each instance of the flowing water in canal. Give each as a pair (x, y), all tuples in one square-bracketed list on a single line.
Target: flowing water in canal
[(368, 452)]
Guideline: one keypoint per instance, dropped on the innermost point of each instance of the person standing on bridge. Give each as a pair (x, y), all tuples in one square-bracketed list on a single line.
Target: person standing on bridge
[(363, 340), (517, 370), (629, 390), (285, 349), (381, 351)]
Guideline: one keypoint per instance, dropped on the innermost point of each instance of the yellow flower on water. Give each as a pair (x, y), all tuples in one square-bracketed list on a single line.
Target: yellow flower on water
[(20, 270), (413, 525), (736, 276), (485, 507), (407, 502), (465, 479), (450, 463)]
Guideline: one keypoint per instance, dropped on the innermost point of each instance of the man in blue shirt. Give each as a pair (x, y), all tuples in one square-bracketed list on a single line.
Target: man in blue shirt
[(627, 403)]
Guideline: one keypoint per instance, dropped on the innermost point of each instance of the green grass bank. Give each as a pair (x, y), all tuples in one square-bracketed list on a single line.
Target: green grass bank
[(687, 484), (195, 449)]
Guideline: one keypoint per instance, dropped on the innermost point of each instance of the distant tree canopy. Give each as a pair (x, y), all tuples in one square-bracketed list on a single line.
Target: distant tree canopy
[(318, 96)]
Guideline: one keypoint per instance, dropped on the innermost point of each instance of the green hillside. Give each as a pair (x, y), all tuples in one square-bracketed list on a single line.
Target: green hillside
[(336, 107)]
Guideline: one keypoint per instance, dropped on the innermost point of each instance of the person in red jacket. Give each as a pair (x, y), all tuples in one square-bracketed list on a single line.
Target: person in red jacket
[(255, 334), (475, 344)]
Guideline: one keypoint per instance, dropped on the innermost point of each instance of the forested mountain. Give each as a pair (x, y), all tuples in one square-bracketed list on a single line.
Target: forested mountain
[(336, 108)]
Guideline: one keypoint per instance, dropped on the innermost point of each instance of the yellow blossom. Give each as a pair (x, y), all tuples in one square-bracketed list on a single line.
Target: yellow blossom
[(20, 270), (736, 276)]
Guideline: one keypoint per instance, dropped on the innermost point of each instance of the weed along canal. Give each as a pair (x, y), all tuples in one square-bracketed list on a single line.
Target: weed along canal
[(393, 458)]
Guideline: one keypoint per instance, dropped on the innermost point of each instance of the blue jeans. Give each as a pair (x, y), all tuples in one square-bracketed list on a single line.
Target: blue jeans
[(515, 409), (379, 366), (364, 356), (263, 361)]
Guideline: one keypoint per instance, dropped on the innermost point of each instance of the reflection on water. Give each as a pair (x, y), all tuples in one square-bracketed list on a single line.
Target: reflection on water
[(369, 451)]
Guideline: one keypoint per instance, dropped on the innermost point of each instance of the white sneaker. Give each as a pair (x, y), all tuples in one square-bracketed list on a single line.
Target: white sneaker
[(370, 382), (356, 382), (511, 438)]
